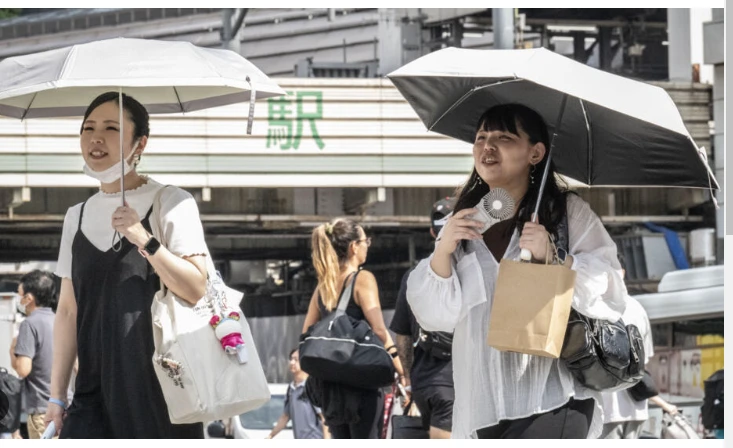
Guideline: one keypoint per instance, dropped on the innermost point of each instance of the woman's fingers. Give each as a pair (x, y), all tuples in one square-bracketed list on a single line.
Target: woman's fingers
[(463, 235), (463, 213)]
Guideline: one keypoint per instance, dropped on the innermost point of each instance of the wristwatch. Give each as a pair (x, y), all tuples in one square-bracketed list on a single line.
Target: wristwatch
[(150, 248)]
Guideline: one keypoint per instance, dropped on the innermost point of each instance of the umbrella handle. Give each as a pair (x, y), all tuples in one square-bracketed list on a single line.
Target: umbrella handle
[(122, 152), (526, 255)]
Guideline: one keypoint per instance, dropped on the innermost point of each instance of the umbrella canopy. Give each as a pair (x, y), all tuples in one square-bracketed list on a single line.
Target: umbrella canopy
[(165, 76), (609, 130)]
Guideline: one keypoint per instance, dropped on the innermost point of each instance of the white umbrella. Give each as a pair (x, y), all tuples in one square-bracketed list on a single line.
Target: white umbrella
[(165, 76)]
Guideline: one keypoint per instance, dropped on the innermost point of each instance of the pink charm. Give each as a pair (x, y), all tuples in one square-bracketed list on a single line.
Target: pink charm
[(215, 320), (228, 331)]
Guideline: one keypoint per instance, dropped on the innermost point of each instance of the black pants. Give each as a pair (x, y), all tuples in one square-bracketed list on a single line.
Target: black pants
[(370, 424), (571, 421)]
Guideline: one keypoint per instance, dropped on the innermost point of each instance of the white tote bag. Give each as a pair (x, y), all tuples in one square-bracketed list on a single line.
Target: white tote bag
[(200, 381)]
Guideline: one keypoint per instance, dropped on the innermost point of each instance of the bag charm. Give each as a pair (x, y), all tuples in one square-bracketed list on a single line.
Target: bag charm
[(226, 322)]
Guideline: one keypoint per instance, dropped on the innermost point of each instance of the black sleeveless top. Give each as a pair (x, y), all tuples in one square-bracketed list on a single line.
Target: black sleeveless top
[(353, 309), (117, 393)]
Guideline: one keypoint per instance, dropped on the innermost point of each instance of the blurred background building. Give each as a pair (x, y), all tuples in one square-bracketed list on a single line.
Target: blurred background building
[(344, 142)]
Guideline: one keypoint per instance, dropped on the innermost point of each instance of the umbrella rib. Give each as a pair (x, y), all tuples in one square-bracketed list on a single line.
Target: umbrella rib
[(469, 93), (178, 98), (25, 112), (589, 135)]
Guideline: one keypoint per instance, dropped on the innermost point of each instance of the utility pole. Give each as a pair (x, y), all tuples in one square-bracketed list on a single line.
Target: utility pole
[(502, 20), (232, 22)]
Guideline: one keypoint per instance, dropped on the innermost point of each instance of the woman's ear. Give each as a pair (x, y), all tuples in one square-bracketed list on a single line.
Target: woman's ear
[(142, 142), (537, 153)]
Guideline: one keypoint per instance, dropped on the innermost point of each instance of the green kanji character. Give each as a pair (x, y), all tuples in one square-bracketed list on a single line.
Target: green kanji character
[(280, 130), (310, 116)]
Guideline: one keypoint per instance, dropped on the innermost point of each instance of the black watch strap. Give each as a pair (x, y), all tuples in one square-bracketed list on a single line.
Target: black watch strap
[(152, 246)]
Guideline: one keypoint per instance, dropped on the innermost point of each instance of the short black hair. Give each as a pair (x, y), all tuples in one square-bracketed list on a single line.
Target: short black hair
[(136, 112), (291, 352), (42, 285)]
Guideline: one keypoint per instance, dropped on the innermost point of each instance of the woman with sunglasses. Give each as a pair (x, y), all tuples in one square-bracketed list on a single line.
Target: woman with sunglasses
[(339, 249)]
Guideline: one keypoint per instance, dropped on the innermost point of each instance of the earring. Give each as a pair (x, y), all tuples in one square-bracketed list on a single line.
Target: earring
[(531, 174), (477, 182)]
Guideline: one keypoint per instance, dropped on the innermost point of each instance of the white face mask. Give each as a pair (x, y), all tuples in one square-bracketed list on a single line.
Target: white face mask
[(22, 307), (112, 173)]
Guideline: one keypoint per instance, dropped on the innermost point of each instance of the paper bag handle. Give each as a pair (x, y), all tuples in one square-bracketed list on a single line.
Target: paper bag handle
[(526, 255)]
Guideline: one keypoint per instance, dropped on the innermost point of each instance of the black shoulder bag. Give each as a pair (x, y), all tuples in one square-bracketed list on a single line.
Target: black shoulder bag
[(344, 350), (600, 355)]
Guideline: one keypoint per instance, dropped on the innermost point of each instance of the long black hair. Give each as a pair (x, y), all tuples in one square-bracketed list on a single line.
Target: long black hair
[(508, 118)]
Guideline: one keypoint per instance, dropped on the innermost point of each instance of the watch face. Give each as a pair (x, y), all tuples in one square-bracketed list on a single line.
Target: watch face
[(152, 246)]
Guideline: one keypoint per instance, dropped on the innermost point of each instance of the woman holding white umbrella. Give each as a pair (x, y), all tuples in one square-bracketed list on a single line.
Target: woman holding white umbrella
[(108, 285), (504, 394)]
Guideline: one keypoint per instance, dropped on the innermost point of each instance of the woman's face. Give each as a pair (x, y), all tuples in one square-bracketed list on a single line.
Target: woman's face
[(361, 246), (100, 137), (503, 159)]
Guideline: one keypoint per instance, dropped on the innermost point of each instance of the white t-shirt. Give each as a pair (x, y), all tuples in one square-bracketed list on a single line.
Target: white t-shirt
[(619, 406), (179, 216)]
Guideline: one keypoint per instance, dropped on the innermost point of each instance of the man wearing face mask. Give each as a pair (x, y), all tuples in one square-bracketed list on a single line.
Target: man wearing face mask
[(31, 353)]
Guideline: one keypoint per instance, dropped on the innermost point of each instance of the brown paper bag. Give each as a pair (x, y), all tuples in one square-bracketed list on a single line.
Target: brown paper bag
[(531, 308)]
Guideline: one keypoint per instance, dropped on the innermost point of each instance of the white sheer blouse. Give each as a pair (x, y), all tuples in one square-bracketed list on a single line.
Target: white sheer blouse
[(491, 385)]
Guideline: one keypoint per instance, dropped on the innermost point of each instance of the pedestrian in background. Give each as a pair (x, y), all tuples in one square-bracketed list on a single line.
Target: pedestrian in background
[(339, 250), (426, 356), (307, 419), (31, 352)]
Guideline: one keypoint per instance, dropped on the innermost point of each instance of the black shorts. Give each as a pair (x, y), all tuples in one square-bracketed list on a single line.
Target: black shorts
[(436, 406)]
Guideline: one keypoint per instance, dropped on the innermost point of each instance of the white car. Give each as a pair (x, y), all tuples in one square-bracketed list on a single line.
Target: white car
[(258, 423)]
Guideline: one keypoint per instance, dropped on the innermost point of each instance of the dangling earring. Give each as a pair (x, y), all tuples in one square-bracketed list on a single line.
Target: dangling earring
[(531, 174), (477, 182)]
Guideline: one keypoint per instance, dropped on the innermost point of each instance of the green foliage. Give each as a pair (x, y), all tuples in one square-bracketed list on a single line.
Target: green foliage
[(6, 13)]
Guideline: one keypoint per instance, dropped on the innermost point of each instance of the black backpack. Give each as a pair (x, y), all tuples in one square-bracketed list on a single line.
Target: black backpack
[(712, 404), (11, 389), (438, 344)]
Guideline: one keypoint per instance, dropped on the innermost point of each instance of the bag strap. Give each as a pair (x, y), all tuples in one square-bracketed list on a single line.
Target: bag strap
[(155, 224), (563, 238), (155, 217), (346, 295), (160, 236)]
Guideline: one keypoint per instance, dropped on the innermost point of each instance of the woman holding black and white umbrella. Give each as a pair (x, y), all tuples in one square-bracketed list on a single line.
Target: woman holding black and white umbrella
[(503, 394)]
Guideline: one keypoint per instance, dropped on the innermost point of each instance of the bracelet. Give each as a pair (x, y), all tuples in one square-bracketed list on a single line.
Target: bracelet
[(390, 348), (394, 354), (58, 402)]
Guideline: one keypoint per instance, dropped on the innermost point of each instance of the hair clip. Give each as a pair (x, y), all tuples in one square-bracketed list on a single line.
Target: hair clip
[(329, 228)]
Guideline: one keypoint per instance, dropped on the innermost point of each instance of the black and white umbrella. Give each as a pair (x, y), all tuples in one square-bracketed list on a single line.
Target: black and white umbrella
[(606, 130)]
